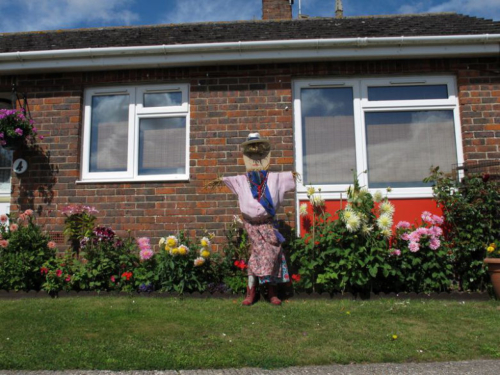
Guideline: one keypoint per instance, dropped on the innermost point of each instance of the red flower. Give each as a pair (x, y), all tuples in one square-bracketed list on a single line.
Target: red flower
[(44, 270), (486, 177), (68, 278), (237, 263), (58, 273), (296, 278), (127, 275)]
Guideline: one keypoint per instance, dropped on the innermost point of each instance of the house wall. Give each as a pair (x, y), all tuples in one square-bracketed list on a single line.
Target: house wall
[(227, 103)]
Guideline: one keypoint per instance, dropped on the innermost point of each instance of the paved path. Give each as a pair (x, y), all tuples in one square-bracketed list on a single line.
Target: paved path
[(483, 367)]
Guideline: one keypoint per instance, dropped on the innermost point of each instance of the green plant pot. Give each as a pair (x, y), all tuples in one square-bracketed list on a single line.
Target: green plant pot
[(494, 272)]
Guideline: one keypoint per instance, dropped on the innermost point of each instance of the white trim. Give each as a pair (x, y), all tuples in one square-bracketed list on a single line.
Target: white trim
[(136, 112), (247, 52)]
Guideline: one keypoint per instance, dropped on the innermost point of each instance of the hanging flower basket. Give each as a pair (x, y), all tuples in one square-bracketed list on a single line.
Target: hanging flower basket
[(16, 129)]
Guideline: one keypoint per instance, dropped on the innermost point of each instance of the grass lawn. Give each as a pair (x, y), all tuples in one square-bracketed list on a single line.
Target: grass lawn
[(124, 333)]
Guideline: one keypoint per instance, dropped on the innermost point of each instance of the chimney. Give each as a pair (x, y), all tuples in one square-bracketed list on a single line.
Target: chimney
[(277, 9), (339, 9)]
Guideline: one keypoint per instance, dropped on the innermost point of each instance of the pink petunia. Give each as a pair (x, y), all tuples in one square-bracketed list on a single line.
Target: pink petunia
[(13, 227)]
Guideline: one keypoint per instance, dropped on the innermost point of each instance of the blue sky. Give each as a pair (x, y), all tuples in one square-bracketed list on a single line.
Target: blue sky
[(32, 15)]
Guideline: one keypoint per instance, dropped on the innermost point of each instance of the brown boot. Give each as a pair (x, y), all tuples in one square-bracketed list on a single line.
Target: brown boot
[(272, 295), (250, 298)]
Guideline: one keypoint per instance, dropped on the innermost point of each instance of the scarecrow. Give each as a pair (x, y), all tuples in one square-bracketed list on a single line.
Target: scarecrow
[(260, 193)]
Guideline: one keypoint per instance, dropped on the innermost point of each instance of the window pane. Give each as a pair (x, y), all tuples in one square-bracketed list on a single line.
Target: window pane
[(163, 99), (408, 92), (5, 169), (329, 152), (162, 146), (402, 146), (109, 133)]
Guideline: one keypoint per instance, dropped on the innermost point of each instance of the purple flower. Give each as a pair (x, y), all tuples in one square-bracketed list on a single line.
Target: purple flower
[(2, 135), (19, 131)]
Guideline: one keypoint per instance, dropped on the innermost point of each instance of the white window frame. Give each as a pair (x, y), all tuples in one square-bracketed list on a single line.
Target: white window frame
[(137, 111), (362, 105)]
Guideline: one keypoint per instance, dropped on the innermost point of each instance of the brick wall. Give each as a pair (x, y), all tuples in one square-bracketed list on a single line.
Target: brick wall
[(226, 104), (276, 10)]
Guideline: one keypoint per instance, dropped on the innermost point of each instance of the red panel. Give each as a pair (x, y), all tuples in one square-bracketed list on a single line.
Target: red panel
[(406, 209)]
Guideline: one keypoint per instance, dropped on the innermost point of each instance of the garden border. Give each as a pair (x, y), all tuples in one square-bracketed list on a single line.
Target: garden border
[(450, 296)]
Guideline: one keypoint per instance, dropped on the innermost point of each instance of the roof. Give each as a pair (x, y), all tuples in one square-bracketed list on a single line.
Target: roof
[(437, 24)]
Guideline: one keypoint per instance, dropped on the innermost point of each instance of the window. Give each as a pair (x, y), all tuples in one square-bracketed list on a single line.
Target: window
[(136, 133), (393, 128)]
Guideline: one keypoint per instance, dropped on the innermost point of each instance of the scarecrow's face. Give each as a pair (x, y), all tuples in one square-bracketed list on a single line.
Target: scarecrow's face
[(256, 156)]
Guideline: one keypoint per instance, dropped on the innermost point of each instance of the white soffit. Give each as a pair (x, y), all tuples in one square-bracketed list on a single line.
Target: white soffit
[(250, 52)]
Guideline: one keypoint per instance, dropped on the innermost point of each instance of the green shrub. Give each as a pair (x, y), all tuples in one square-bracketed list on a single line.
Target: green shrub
[(183, 266), (348, 254), (471, 208), (419, 257), (24, 248)]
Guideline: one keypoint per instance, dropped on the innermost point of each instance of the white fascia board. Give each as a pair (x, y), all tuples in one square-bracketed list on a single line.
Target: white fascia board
[(250, 52)]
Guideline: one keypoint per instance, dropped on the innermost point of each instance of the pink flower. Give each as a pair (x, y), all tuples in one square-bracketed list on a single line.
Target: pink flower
[(146, 254), (51, 245), (4, 243), (59, 273), (396, 252), (18, 131), (422, 231), (28, 212), (4, 219), (13, 227), (437, 219), (68, 279), (434, 243), (113, 279), (403, 224), (427, 217), (22, 217), (414, 247), (414, 236), (405, 237), (435, 231), (41, 137)]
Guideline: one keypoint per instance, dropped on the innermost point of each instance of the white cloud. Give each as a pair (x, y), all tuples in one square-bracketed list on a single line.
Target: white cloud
[(478, 8), (213, 10), (29, 15)]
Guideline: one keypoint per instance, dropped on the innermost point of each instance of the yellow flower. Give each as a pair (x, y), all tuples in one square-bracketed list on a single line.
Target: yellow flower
[(394, 337), (183, 250), (311, 190), (199, 261), (493, 245), (303, 210), (490, 249), (172, 241), (205, 242), (205, 253), (174, 251)]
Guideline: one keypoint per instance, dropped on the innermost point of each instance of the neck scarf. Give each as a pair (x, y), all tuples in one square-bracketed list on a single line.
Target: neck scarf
[(260, 191)]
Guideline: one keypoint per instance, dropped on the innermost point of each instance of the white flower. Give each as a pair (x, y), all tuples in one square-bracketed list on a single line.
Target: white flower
[(387, 208), (317, 200), (384, 221), (237, 220), (386, 233), (366, 229), (199, 261), (347, 215), (377, 197), (162, 241), (353, 223), (303, 209), (311, 190)]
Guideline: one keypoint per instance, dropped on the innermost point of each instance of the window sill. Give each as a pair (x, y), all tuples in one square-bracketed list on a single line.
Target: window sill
[(129, 180)]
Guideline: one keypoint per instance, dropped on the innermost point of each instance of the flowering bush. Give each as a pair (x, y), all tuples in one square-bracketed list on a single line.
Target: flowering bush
[(15, 128), (63, 273), (471, 209), (421, 262), (348, 254), (109, 260), (78, 224), (24, 248), (183, 266), (493, 250)]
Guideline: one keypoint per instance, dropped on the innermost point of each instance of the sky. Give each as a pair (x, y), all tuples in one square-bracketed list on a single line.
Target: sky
[(38, 15)]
